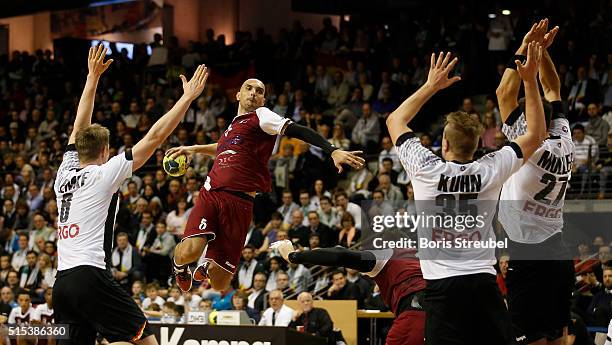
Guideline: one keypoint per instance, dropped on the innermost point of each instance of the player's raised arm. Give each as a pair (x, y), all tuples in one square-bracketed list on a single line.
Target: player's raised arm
[(96, 66), (548, 74), (438, 79), (340, 157), (508, 90), (534, 111), (158, 133)]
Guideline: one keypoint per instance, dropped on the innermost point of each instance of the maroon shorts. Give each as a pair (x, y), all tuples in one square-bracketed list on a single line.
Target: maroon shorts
[(408, 329), (224, 218)]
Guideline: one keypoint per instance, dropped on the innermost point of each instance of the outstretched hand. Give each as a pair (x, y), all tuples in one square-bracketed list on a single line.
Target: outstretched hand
[(347, 157), (529, 70), (95, 61), (439, 69), (194, 87)]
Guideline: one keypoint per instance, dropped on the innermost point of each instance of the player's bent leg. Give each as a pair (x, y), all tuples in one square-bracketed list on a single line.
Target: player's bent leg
[(185, 253), (220, 278), (189, 250)]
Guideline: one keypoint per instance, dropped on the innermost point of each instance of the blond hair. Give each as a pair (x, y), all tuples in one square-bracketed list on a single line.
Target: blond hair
[(91, 141), (463, 132)]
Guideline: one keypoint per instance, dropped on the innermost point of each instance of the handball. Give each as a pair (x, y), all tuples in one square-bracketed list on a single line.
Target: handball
[(175, 167)]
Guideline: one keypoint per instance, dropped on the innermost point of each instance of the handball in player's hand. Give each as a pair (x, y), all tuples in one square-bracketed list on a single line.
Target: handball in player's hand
[(176, 166)]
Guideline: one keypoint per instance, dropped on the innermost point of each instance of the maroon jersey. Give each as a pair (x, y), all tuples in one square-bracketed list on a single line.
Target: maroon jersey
[(398, 276), (243, 152)]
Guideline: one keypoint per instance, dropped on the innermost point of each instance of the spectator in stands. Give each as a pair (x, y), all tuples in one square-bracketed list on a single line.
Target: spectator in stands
[(315, 321), (157, 258), (40, 231), (297, 231), (585, 154), (12, 281), (364, 285), (47, 272), (8, 213), (138, 290), (223, 301), (248, 268), (240, 302), (338, 92), (318, 191), (30, 276), (389, 151), (341, 289), (287, 207), (600, 309), (152, 292), (488, 136), (177, 218), (583, 92), (604, 256), (5, 267), (275, 267), (468, 106), (501, 276), (367, 130), (344, 206), (604, 165), (338, 138), (33, 197), (146, 233), (282, 283), (327, 214), (7, 297), (19, 257), (326, 234), (278, 314), (126, 263), (348, 233), (257, 292), (305, 205), (299, 277), (597, 127), (314, 241), (392, 192)]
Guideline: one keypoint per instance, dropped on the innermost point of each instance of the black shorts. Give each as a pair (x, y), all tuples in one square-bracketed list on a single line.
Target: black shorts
[(90, 301), (466, 310), (539, 297)]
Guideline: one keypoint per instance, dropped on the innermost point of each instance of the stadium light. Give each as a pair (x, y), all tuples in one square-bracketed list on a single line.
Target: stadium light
[(506, 12), (347, 17), (492, 16)]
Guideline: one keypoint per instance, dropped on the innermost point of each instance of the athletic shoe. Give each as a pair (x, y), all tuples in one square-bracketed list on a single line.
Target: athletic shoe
[(183, 277), (284, 247), (201, 273)]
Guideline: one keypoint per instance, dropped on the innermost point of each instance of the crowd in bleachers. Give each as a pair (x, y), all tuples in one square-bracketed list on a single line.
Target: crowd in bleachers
[(342, 82)]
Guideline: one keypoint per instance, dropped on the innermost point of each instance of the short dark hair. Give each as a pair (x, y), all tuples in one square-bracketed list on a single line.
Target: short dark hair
[(326, 198), (579, 127), (249, 246), (387, 159), (336, 271), (31, 252)]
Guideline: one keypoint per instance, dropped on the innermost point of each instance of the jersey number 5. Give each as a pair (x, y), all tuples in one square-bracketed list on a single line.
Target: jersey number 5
[(550, 181), (65, 207)]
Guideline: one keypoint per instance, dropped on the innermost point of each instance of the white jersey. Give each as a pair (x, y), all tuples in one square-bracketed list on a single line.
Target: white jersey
[(17, 317), (531, 206), (447, 182), (88, 201), (43, 314)]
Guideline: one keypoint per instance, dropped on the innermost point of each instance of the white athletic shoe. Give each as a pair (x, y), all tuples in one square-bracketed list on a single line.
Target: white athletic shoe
[(284, 247)]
